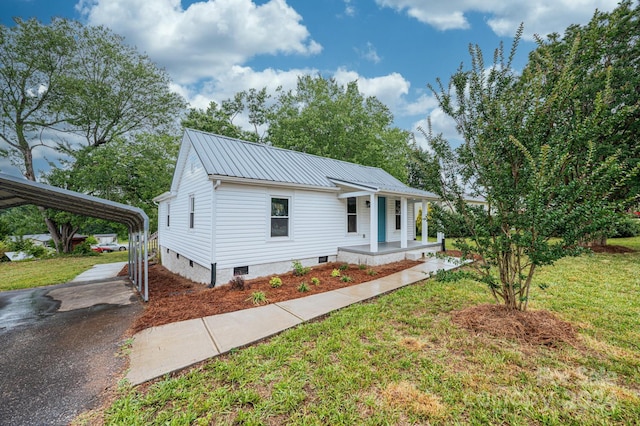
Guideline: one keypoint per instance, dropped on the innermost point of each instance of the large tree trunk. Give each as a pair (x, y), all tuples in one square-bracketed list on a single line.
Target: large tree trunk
[(53, 230), (61, 234)]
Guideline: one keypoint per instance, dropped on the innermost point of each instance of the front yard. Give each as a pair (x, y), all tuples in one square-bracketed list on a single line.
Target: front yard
[(401, 360), (56, 270)]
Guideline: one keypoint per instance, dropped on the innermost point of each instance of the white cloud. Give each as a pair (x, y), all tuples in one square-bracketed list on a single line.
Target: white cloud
[(236, 79), (420, 106), (440, 123), (349, 10), (539, 17), (389, 89), (370, 53), (206, 37)]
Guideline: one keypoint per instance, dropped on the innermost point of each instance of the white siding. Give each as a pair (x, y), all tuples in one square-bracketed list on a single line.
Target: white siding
[(317, 226), (192, 243)]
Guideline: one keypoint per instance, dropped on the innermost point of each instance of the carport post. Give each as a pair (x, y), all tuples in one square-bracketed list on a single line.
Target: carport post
[(129, 253), (139, 261), (146, 260), (134, 276)]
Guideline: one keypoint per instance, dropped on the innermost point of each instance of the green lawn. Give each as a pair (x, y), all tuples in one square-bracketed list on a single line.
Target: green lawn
[(37, 273), (400, 360)]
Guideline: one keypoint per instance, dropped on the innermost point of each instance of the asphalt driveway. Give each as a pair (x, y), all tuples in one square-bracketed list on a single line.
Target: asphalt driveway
[(58, 349)]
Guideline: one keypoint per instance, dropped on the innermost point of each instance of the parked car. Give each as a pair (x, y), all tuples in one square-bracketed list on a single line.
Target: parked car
[(109, 247), (100, 249)]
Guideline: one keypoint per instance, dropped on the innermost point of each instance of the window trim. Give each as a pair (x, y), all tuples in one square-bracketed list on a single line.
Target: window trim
[(289, 199), (352, 214), (168, 215), (192, 211), (398, 214)]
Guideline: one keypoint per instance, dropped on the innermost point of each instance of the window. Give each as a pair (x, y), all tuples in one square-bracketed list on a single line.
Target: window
[(279, 217), (398, 215), (192, 211), (168, 213), (352, 214), (323, 259)]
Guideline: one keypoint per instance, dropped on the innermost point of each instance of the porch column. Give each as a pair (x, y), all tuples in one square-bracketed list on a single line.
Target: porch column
[(373, 223), (403, 222), (425, 223)]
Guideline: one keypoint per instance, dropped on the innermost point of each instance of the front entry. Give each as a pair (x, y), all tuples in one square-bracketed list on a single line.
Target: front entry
[(382, 219)]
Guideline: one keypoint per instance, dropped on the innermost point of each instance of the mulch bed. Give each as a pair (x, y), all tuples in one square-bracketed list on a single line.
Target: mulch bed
[(174, 298), (533, 327), (613, 249)]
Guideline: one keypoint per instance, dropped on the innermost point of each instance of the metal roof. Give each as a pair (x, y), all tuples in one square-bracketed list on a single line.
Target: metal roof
[(222, 156), (15, 191)]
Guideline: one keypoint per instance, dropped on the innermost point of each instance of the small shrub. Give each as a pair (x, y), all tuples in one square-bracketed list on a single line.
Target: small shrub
[(303, 287), (299, 270), (344, 266), (372, 272), (4, 247), (346, 279), (335, 273), (362, 266), (238, 283), (83, 248), (315, 281), (626, 228), (258, 298), (275, 282)]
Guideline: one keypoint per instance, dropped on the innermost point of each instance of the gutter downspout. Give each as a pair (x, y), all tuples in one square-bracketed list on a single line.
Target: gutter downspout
[(214, 265)]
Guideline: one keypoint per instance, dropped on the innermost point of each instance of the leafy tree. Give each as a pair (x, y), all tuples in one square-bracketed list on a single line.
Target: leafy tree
[(324, 118), (129, 171), (518, 153), (604, 56), (22, 220), (319, 117), (65, 78), (219, 119), (34, 59)]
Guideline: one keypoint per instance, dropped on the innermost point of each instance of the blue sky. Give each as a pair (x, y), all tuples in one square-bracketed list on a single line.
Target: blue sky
[(394, 48)]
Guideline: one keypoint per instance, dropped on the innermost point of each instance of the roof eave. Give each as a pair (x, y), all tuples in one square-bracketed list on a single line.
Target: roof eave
[(261, 182)]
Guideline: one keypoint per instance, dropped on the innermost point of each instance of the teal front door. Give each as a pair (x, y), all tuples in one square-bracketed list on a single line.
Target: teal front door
[(382, 219)]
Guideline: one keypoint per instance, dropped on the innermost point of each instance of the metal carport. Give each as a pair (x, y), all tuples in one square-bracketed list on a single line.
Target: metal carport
[(15, 191)]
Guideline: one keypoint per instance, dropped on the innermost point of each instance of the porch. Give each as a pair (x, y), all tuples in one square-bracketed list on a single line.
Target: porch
[(387, 252)]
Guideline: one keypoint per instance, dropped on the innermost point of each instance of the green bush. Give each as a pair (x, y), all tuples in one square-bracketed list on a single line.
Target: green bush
[(83, 248), (4, 247), (275, 282), (258, 298), (299, 270), (627, 227)]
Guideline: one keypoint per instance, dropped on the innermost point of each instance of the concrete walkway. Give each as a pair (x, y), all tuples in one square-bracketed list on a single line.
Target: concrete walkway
[(164, 349), (100, 272)]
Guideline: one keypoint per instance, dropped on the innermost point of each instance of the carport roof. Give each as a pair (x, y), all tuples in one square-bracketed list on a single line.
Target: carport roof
[(15, 191)]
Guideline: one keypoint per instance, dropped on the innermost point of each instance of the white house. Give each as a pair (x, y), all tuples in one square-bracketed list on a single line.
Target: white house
[(240, 208)]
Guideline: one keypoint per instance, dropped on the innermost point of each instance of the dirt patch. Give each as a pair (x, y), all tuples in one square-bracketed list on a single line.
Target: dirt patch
[(173, 298), (533, 327), (613, 249), (406, 396)]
